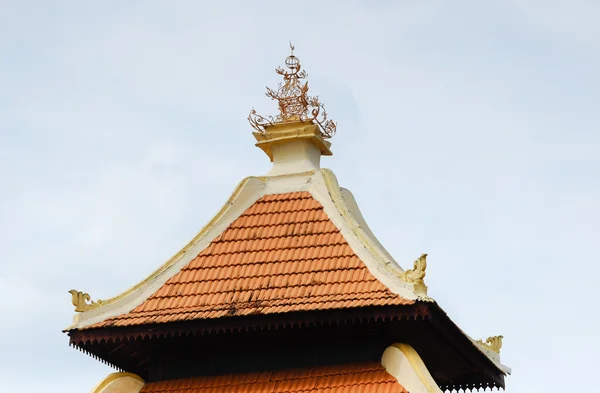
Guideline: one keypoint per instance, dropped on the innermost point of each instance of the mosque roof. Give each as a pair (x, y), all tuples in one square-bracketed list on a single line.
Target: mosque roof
[(292, 242)]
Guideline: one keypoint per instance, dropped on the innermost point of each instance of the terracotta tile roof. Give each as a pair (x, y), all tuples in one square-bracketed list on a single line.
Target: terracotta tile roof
[(283, 254), (364, 378)]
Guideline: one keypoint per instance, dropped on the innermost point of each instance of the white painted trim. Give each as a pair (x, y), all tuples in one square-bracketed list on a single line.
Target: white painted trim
[(493, 356), (249, 190), (356, 213), (404, 363), (295, 156), (325, 189), (245, 195)]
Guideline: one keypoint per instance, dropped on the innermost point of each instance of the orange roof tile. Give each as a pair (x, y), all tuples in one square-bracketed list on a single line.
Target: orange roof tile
[(365, 378), (283, 254)]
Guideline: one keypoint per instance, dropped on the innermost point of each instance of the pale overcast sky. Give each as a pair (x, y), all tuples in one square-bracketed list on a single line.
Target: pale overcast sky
[(467, 130)]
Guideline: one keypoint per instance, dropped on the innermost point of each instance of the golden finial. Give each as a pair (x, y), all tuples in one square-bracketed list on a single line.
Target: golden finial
[(416, 275), (493, 343), (80, 301), (294, 102)]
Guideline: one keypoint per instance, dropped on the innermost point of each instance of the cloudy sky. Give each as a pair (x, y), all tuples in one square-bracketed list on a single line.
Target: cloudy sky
[(466, 129)]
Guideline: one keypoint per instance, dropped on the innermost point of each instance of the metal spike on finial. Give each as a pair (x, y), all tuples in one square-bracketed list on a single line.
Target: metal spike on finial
[(293, 101)]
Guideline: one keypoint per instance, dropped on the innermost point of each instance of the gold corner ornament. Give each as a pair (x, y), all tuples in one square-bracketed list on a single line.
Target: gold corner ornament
[(80, 301), (294, 102), (493, 343), (417, 273)]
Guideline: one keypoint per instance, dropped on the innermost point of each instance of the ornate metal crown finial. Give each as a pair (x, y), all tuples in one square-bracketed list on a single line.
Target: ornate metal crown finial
[(294, 102)]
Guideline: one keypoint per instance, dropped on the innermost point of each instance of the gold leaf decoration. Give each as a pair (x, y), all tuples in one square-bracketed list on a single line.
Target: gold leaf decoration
[(80, 301), (493, 343), (293, 101), (417, 273)]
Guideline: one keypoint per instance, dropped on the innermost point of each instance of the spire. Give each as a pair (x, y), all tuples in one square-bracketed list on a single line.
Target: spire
[(294, 139), (294, 102)]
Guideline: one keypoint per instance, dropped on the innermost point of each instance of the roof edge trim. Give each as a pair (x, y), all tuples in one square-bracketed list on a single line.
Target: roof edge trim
[(346, 216), (493, 356), (248, 191)]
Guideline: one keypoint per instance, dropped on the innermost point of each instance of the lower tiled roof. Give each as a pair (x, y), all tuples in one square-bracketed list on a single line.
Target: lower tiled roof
[(283, 254), (360, 378)]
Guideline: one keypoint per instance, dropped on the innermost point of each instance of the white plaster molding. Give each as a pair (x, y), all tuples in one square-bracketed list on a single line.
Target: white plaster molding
[(381, 265), (404, 363), (249, 190), (295, 156), (355, 211), (119, 383)]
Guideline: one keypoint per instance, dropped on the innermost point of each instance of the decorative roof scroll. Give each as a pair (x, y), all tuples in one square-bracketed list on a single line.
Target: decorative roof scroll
[(80, 301), (294, 102), (417, 273), (493, 343)]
